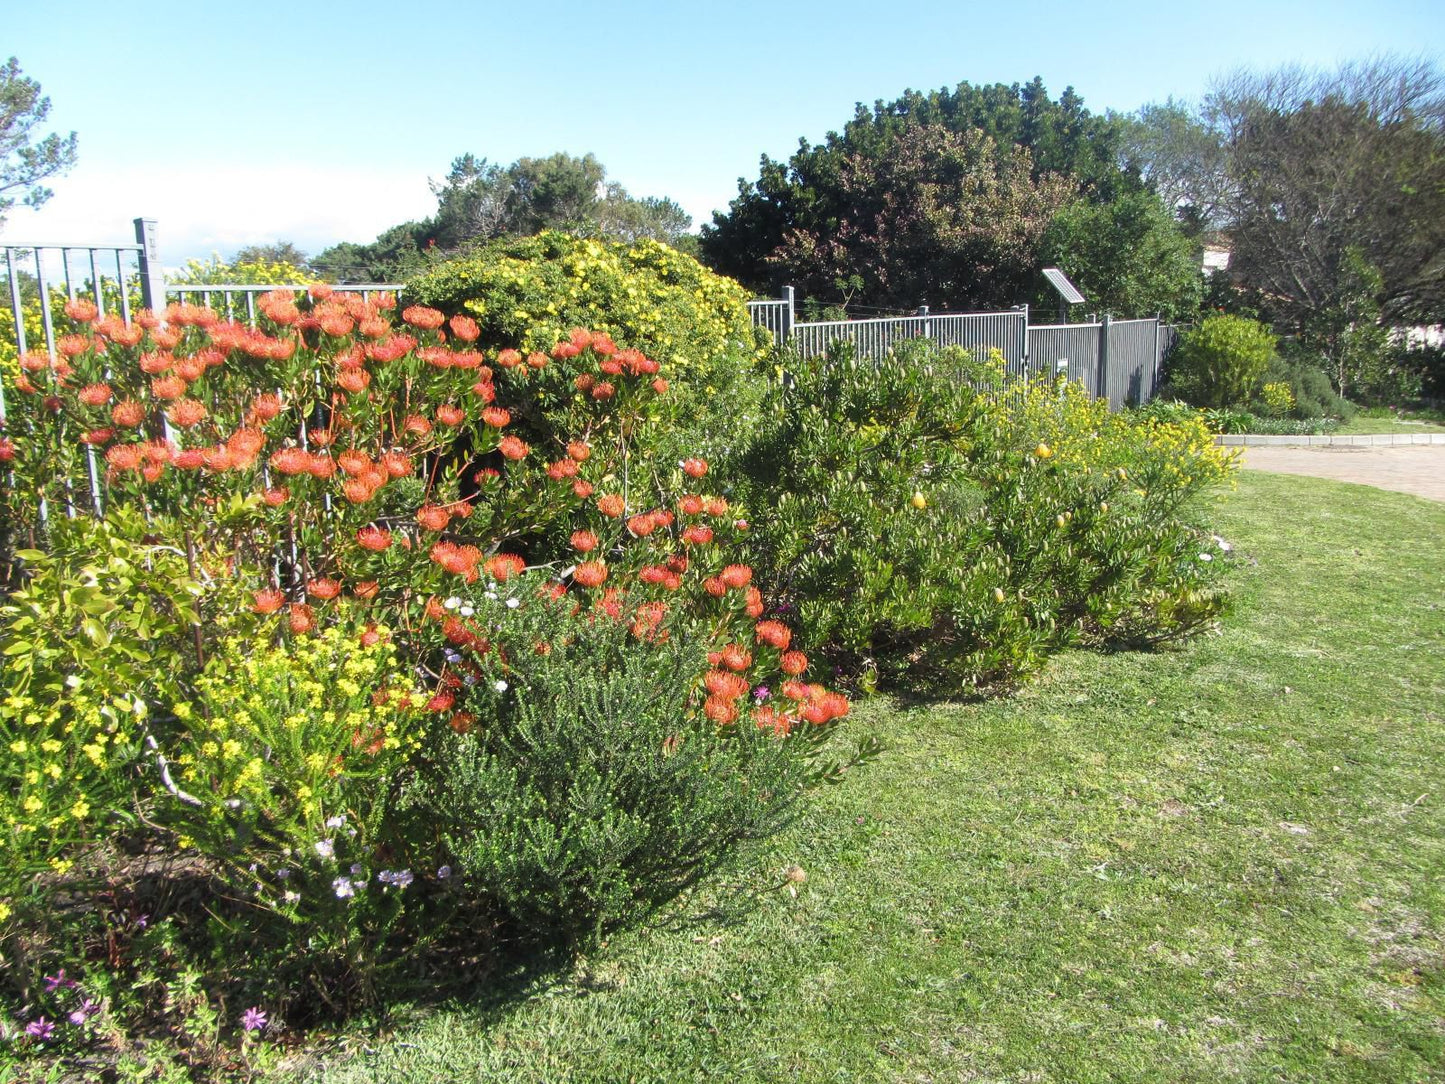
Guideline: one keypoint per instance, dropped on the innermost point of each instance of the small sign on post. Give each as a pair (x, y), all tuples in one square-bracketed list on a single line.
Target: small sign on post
[(152, 277)]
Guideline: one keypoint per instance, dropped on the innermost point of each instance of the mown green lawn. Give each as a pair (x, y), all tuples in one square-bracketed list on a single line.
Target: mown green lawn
[(1216, 864), (1387, 425)]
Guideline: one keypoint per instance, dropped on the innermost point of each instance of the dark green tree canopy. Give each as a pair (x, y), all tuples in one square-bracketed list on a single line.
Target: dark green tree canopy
[(940, 198), (25, 158)]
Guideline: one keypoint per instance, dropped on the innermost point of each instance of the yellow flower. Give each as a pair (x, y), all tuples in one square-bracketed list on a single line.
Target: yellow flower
[(80, 810)]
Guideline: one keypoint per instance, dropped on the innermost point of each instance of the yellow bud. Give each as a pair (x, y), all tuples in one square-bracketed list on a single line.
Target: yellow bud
[(1043, 451), (998, 594), (1103, 506), (919, 500), (1060, 520)]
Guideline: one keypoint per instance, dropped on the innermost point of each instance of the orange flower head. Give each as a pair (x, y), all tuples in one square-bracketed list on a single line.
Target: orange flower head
[(123, 457), (82, 310), (561, 470), (690, 505), (353, 380), (449, 414), (275, 498), (509, 359), (367, 589), (190, 459), (415, 423), (611, 505), (714, 587), (168, 387), (95, 394), (374, 538), (643, 524), (774, 634), (487, 476), (584, 382), (715, 506), (536, 360), (465, 328), (513, 447), (694, 468), (582, 488), (724, 684), (503, 566), (320, 466), (433, 517), (420, 316), (578, 450), (734, 657), (720, 711), (266, 407), (603, 390), (563, 351), (793, 663), (267, 601), (591, 574), (323, 588), (737, 576), (185, 413), (496, 417), (127, 414), (396, 464), (484, 390), (97, 436), (660, 386), (754, 607), (462, 721), (192, 368), (584, 541), (697, 535), (72, 345), (322, 438), (301, 618)]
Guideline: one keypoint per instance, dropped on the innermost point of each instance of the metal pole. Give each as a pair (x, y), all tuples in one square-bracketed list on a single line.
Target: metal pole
[(152, 278), (788, 315), (1103, 389)]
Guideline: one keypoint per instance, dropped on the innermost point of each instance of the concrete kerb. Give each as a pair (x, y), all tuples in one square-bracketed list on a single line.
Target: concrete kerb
[(1366, 440)]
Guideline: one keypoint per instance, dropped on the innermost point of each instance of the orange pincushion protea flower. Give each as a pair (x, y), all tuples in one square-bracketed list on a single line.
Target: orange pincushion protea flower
[(503, 566), (353, 380), (217, 459), (185, 413), (697, 535), (769, 718), (715, 506), (123, 457), (509, 359), (366, 589), (465, 328), (267, 601), (323, 588), (774, 634), (358, 490), (694, 468), (97, 436), (301, 618), (448, 414), (591, 574), (643, 524), (415, 423), (690, 504), (737, 576), (723, 683), (72, 345), (720, 711), (168, 387), (496, 417), (423, 317), (513, 447), (353, 462), (734, 657), (714, 587), (611, 505), (274, 498), (561, 470), (374, 538), (604, 390), (754, 607), (584, 541), (578, 450), (433, 517), (793, 663), (266, 407), (396, 464), (95, 394), (581, 488), (127, 413), (81, 309), (660, 386)]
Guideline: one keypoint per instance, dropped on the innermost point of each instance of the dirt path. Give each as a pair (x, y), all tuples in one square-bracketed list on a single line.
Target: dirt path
[(1417, 469)]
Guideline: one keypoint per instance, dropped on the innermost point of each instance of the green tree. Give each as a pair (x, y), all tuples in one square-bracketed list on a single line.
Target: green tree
[(26, 159), (1128, 256), (1323, 163), (1182, 158), (276, 252), (816, 192)]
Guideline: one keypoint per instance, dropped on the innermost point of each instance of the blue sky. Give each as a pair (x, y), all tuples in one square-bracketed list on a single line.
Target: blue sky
[(318, 122)]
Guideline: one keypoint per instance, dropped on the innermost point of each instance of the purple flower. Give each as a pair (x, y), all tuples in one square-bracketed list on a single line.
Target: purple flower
[(253, 1019), (444, 872), (400, 878), (58, 981), (761, 693), (88, 1008), (40, 1028)]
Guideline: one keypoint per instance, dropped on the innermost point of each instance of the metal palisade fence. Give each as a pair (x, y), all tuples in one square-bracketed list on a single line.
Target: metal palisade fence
[(1115, 359)]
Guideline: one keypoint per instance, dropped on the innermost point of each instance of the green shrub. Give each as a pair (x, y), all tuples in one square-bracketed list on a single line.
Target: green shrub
[(1314, 395), (529, 292), (590, 790), (939, 524), (1220, 362)]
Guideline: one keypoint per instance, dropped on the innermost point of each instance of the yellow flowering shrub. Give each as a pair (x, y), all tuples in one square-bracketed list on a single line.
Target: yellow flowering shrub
[(284, 746)]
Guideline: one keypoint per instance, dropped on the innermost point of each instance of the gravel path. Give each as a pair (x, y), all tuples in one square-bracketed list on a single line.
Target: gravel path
[(1417, 469)]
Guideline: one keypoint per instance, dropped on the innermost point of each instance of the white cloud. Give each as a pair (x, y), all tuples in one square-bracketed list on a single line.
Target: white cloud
[(221, 208)]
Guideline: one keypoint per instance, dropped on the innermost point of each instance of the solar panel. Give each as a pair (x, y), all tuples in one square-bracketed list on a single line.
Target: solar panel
[(1060, 282)]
